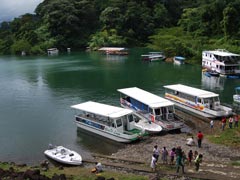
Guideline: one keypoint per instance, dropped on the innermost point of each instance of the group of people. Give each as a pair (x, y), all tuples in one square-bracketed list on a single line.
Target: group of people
[(232, 122), (180, 155)]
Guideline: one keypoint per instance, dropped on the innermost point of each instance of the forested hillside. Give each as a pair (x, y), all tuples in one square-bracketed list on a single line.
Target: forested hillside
[(176, 26)]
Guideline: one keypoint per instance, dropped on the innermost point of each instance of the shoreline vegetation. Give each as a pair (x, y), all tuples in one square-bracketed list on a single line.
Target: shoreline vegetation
[(133, 161), (175, 27)]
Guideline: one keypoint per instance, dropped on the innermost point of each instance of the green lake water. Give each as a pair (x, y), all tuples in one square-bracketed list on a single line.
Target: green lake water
[(36, 94)]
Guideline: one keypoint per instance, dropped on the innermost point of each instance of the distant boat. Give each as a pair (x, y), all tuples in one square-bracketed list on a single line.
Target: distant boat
[(236, 96), (179, 60), (153, 56), (222, 61), (53, 51), (114, 50), (63, 155)]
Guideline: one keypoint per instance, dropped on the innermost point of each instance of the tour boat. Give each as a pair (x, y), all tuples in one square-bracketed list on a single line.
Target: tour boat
[(178, 60), (236, 97), (197, 101), (221, 61), (153, 108), (63, 155), (112, 122)]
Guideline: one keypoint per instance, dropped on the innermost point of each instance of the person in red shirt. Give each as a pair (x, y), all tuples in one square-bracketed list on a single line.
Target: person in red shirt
[(199, 137)]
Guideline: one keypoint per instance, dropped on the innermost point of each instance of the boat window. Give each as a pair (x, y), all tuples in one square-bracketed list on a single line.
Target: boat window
[(164, 110), (157, 112), (170, 109), (215, 99), (151, 110), (199, 100), (113, 125), (136, 118), (119, 122), (130, 118)]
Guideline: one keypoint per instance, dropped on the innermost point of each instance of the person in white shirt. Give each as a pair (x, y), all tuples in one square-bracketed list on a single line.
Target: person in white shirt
[(190, 141)]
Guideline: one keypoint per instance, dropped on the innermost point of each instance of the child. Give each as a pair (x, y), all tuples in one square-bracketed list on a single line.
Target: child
[(172, 154)]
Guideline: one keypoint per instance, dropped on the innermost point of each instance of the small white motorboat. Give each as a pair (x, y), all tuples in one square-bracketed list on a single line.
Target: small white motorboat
[(63, 155)]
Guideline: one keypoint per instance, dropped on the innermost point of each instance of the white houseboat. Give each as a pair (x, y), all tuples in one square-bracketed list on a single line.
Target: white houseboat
[(197, 101), (108, 121), (221, 61), (114, 50), (153, 56), (151, 107)]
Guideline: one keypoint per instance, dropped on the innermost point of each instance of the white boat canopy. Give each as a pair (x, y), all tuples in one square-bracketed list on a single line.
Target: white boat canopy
[(221, 53), (102, 109), (112, 49), (145, 97), (191, 91)]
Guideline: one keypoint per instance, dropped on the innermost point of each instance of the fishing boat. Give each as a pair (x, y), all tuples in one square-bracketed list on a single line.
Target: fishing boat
[(63, 155), (112, 122), (52, 51), (153, 108), (236, 96), (197, 101), (221, 61), (178, 60)]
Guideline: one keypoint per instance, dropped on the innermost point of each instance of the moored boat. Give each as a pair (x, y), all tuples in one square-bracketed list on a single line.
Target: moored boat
[(63, 155), (179, 60), (236, 96), (221, 61), (112, 122), (197, 101), (114, 50), (153, 56), (151, 107)]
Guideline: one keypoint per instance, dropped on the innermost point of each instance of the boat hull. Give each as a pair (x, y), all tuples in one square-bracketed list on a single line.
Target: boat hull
[(108, 133)]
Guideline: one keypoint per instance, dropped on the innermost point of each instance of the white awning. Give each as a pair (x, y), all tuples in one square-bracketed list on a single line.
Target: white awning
[(102, 109), (191, 91), (145, 97)]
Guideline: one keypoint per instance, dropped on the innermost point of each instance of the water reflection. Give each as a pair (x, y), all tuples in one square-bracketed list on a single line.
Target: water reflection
[(115, 58), (212, 82), (96, 143)]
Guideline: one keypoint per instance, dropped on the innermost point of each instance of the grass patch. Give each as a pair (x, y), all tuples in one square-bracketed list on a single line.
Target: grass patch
[(236, 163), (228, 137)]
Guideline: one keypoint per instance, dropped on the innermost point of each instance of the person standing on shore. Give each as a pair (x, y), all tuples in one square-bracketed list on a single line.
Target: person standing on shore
[(179, 161), (200, 138), (153, 163), (172, 154), (164, 155), (198, 160), (236, 121), (230, 121), (224, 120), (211, 125), (156, 152), (190, 157)]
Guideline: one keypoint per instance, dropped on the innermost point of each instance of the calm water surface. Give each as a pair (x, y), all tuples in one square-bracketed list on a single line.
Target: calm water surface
[(36, 94)]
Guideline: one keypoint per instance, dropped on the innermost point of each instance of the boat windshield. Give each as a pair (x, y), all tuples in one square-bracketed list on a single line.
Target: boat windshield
[(132, 118)]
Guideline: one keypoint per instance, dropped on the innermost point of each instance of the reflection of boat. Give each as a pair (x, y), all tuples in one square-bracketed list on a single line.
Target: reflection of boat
[(178, 60), (151, 107), (64, 155), (221, 61), (153, 56), (212, 82), (114, 50), (108, 121), (236, 96), (197, 101)]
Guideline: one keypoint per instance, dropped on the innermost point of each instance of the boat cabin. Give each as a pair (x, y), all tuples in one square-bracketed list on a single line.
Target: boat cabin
[(100, 115), (151, 106)]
